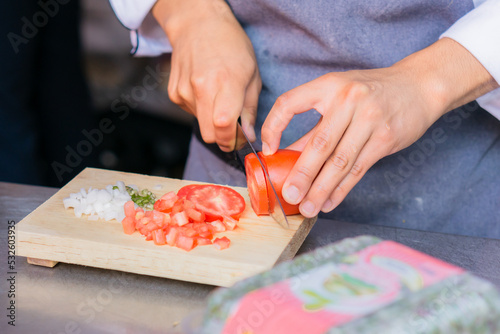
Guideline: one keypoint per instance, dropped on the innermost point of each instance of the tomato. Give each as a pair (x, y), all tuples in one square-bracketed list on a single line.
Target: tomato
[(256, 184), (214, 201), (129, 209), (218, 226), (182, 220), (185, 243), (172, 236), (159, 237), (128, 224), (278, 167), (222, 243), (166, 202), (230, 223), (203, 241)]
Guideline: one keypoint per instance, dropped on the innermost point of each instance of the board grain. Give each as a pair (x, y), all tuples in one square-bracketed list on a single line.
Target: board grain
[(54, 234)]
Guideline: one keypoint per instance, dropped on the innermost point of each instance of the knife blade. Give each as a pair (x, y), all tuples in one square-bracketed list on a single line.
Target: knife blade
[(243, 147)]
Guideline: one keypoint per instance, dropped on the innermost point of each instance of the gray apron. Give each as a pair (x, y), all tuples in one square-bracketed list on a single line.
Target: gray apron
[(448, 181)]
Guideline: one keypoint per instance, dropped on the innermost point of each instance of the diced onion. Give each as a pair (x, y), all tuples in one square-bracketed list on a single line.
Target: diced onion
[(105, 203)]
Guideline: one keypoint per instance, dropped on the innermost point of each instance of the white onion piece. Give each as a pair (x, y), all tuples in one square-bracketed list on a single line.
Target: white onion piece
[(105, 203)]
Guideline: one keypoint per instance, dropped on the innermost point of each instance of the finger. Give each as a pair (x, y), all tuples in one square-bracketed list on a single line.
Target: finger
[(249, 113), (227, 107), (337, 166), (203, 112), (291, 103), (173, 81), (320, 146), (372, 152), (301, 143)]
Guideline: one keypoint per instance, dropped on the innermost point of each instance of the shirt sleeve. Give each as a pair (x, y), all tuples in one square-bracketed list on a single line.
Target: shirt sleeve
[(478, 31), (146, 35)]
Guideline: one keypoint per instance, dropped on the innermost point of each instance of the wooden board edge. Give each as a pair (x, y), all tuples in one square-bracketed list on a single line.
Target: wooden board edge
[(297, 240), (224, 278)]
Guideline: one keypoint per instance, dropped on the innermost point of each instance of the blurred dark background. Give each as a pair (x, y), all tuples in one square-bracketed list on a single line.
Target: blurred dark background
[(57, 118)]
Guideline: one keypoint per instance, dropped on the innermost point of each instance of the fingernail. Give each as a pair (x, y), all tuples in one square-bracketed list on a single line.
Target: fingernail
[(291, 194), (265, 149), (327, 207), (308, 208)]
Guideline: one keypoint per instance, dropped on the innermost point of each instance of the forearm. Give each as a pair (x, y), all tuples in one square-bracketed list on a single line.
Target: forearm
[(448, 74)]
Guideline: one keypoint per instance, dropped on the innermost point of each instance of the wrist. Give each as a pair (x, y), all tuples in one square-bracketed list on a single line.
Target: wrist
[(448, 76), (176, 16)]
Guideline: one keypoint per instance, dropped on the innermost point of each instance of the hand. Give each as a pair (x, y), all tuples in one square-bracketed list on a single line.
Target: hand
[(367, 115), (214, 73)]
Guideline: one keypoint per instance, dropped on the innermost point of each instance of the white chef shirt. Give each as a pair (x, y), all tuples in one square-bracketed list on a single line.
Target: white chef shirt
[(478, 31)]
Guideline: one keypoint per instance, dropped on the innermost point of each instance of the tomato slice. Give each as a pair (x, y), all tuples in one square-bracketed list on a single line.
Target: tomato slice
[(257, 187), (278, 167), (214, 201)]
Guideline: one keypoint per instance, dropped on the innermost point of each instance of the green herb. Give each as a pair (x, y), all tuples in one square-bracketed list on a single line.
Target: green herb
[(144, 198)]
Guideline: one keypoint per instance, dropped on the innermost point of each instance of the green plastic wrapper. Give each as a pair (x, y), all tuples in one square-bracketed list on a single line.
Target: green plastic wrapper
[(357, 285)]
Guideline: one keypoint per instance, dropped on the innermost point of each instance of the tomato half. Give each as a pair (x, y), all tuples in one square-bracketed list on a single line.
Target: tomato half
[(278, 167), (214, 201)]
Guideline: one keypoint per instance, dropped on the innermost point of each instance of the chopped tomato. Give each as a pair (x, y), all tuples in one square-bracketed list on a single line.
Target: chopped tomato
[(139, 214), (222, 243), (159, 237), (230, 223), (203, 241), (166, 202), (190, 232), (218, 226), (278, 167), (170, 197), (172, 236), (195, 215), (129, 209), (180, 218), (214, 201), (185, 243), (128, 224)]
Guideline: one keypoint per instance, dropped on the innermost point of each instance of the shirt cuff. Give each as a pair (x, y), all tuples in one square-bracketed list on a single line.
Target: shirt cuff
[(478, 31), (146, 35)]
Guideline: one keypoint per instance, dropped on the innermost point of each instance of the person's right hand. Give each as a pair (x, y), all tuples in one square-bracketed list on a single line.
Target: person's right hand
[(214, 73)]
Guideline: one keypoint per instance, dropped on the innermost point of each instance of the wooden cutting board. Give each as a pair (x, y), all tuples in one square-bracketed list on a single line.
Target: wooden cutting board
[(52, 234)]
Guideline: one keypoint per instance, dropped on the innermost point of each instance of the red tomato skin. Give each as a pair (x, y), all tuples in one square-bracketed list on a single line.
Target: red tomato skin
[(278, 167), (221, 243), (257, 186), (128, 224)]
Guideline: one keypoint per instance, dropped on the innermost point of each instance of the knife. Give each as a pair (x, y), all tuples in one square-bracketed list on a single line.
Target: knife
[(243, 147)]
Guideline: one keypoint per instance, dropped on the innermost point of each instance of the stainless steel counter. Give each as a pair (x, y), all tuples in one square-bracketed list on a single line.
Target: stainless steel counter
[(74, 299)]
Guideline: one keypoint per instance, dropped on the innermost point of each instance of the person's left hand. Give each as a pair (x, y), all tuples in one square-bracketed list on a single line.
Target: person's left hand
[(366, 115)]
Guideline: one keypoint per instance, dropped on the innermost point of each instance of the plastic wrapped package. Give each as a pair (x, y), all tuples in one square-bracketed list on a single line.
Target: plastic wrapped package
[(357, 285)]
